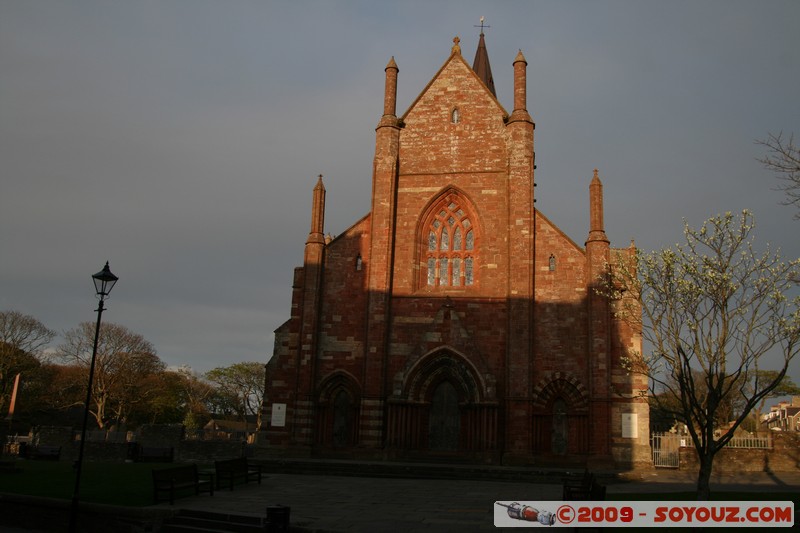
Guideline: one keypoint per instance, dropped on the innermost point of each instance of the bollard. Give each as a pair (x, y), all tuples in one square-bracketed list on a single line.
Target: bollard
[(278, 519)]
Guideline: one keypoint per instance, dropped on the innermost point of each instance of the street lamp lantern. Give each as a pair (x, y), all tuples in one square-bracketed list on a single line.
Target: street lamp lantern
[(103, 283)]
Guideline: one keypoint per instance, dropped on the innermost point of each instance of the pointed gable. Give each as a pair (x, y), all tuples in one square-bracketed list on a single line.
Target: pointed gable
[(453, 116)]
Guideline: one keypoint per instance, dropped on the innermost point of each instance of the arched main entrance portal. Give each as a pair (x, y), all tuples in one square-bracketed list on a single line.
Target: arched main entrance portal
[(441, 406)]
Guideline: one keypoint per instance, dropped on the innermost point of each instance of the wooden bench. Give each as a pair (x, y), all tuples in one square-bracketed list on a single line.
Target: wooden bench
[(230, 471), (49, 453), (147, 454), (168, 481)]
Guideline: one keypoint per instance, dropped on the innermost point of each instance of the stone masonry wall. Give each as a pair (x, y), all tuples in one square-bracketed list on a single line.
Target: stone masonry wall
[(783, 457)]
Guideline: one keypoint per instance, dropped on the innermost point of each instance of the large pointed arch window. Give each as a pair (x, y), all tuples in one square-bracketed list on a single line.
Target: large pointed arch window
[(450, 244)]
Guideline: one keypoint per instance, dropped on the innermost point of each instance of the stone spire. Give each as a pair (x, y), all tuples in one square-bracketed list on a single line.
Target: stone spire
[(318, 214), (597, 231), (481, 65), (390, 92), (520, 112)]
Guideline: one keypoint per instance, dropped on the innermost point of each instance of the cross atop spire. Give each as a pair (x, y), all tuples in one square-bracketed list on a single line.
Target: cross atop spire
[(481, 63), (482, 25)]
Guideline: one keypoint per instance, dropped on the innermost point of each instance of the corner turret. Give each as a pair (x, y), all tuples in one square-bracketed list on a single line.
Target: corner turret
[(597, 232), (316, 235), (389, 117), (520, 112)]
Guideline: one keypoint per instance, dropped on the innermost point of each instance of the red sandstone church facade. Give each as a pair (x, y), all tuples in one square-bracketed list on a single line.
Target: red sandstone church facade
[(454, 320)]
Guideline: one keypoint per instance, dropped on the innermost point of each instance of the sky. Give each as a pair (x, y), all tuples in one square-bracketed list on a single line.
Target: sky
[(180, 140)]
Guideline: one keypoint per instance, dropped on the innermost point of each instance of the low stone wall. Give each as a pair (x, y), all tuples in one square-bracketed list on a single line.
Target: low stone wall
[(206, 451), (161, 435), (783, 457), (55, 436), (154, 436)]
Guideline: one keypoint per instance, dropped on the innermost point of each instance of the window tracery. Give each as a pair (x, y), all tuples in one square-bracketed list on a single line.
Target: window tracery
[(449, 250)]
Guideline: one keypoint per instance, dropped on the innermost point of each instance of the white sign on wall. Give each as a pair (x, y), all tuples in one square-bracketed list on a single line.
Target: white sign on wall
[(630, 426), (278, 415)]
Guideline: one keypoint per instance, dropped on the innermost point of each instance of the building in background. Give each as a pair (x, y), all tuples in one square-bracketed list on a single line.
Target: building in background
[(455, 321), (785, 416)]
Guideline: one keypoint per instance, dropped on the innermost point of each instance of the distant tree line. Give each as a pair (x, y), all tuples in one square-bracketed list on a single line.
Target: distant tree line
[(132, 385)]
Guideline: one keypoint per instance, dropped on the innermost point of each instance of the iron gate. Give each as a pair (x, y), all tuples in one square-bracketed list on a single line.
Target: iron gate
[(666, 448)]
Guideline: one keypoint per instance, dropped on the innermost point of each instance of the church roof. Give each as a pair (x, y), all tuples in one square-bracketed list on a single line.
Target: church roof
[(481, 65)]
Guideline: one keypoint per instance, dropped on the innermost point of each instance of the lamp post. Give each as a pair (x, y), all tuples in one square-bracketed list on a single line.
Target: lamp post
[(103, 283)]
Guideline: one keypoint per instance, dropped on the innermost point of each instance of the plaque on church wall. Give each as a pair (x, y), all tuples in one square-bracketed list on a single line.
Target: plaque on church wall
[(278, 415), (630, 424)]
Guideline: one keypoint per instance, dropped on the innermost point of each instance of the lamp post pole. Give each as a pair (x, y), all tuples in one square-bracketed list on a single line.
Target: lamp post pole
[(103, 281)]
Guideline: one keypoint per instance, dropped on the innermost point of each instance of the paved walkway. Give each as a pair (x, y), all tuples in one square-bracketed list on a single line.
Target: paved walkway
[(363, 504)]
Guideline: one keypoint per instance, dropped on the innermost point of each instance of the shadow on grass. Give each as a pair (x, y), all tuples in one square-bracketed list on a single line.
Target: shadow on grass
[(128, 484)]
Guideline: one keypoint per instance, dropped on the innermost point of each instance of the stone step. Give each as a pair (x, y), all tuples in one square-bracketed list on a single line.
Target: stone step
[(423, 470), (204, 521)]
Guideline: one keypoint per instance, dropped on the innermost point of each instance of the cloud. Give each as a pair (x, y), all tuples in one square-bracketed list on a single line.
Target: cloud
[(181, 141)]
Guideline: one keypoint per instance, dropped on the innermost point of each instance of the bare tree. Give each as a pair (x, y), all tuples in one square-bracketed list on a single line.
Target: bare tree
[(22, 343), (241, 386), (783, 158), (713, 312), (192, 395), (123, 358)]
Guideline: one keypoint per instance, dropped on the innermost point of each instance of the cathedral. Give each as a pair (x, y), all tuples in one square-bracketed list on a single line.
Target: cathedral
[(455, 321)]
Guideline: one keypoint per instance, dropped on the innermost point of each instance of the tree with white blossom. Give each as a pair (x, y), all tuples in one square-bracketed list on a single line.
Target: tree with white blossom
[(714, 313)]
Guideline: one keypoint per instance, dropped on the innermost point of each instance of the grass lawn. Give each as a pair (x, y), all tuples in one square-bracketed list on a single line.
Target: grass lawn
[(129, 484)]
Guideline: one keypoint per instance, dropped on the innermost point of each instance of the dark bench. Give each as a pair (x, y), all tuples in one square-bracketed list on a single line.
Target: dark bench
[(148, 454), (584, 487), (9, 467), (50, 453), (168, 481), (230, 471)]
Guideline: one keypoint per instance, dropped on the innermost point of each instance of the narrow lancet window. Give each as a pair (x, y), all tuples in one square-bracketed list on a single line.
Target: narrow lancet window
[(457, 239), (443, 274), (456, 271)]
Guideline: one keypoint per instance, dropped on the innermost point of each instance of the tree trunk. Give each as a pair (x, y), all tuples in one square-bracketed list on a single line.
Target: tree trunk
[(704, 477)]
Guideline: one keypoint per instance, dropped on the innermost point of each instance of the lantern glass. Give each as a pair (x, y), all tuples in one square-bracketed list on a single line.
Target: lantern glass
[(104, 281)]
